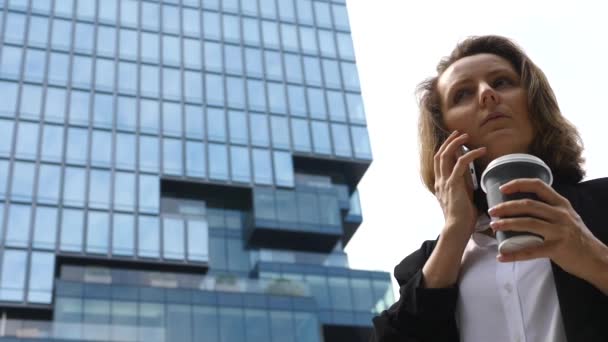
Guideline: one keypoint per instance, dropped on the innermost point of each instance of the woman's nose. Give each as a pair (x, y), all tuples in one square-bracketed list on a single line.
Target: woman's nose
[(487, 95)]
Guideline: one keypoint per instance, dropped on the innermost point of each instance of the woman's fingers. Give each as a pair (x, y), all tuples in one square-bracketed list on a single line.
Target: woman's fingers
[(462, 163), (449, 155), (438, 154), (527, 207)]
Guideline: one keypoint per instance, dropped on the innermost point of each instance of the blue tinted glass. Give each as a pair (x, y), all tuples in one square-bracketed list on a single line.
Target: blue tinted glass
[(71, 230), (149, 82), (45, 228), (361, 142), (289, 37), (6, 139), (98, 233), (287, 10), (283, 167), (259, 126), (280, 131), (148, 153), (31, 98), (232, 325), (77, 145), (172, 156), (83, 38), (8, 105), (149, 116), (249, 7), (274, 65), (213, 4), (149, 193), (82, 68), (322, 14), (340, 16), (171, 50), (362, 294), (195, 159), (257, 325), (74, 181), (34, 65), (27, 140), (99, 191), (108, 11), (194, 121), (268, 9), (64, 7), (356, 112), (128, 13), (52, 143), (241, 171), (58, 68), (149, 47), (37, 35), (172, 119), (213, 56), (308, 39), (62, 34), (339, 290), (18, 225), (238, 258), (101, 149), (193, 86), (256, 94), (262, 168), (238, 127), (124, 191), (217, 253), (304, 11), (316, 101), (171, 22), (351, 77), (341, 140), (48, 183), (192, 53), (251, 31), (125, 151), (173, 238), (312, 71), (236, 92), (214, 89), (103, 110), (11, 61), (23, 181), (41, 278), (218, 161), (13, 275), (198, 240), (270, 33), (54, 107), (211, 25), (253, 60), (230, 5), (331, 73), (192, 22), (232, 28), (179, 326), (148, 234), (85, 9), (216, 123), (40, 6), (293, 68), (149, 15), (15, 27), (319, 289), (3, 185), (320, 137), (335, 101), (104, 74), (307, 327), (127, 77), (123, 234)]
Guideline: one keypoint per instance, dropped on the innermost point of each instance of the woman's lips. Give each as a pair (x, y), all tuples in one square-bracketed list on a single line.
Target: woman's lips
[(493, 116)]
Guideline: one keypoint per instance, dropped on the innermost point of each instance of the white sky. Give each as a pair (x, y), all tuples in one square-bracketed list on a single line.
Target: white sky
[(399, 42)]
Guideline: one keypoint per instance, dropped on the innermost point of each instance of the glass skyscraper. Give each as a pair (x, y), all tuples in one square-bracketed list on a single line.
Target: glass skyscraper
[(181, 170)]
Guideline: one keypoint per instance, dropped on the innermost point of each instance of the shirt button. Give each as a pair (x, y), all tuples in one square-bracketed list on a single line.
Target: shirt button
[(508, 288)]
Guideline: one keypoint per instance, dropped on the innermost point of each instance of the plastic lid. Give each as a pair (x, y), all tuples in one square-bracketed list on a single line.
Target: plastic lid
[(516, 158)]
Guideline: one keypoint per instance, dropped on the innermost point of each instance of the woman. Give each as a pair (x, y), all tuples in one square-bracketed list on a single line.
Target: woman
[(491, 98)]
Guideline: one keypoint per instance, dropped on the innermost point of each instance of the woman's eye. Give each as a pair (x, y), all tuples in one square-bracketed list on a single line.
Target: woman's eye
[(502, 82), (460, 95)]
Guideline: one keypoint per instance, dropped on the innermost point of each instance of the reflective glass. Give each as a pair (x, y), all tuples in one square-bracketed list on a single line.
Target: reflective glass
[(192, 53), (149, 81), (3, 180), (287, 10), (171, 22), (37, 34), (172, 156), (256, 94), (23, 181), (293, 68), (27, 140), (287, 209), (251, 31), (232, 28), (281, 325), (268, 9), (71, 230), (270, 33), (127, 77), (125, 151), (316, 102), (15, 27), (259, 128), (123, 234), (34, 65), (64, 7), (149, 116), (173, 238), (103, 110), (289, 37), (108, 12), (193, 86), (101, 148), (171, 50), (340, 16), (128, 13), (301, 135), (52, 143), (213, 4), (45, 228), (213, 56), (238, 258), (211, 25), (308, 40), (195, 121), (62, 34), (13, 275), (99, 189), (236, 92), (283, 168), (350, 75), (79, 107), (179, 325), (262, 168), (341, 140), (361, 142), (253, 62), (241, 171), (280, 131), (335, 101), (41, 278), (83, 38), (308, 209), (98, 233), (339, 290), (74, 180), (232, 325), (49, 178), (322, 14), (356, 112), (238, 127), (8, 105), (150, 47), (214, 89), (149, 15), (104, 74), (124, 191), (320, 137), (54, 107), (249, 7), (218, 162), (216, 123), (304, 10), (195, 159), (58, 68), (85, 9), (362, 294), (18, 225), (172, 119), (192, 22), (77, 146), (148, 235), (306, 327), (331, 72), (6, 139), (148, 153), (82, 70), (312, 70), (149, 193), (274, 65), (198, 240)]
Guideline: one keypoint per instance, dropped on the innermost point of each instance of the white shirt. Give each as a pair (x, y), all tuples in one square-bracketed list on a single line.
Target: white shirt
[(505, 302)]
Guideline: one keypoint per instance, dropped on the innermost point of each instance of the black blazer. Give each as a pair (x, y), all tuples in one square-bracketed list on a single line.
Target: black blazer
[(429, 314)]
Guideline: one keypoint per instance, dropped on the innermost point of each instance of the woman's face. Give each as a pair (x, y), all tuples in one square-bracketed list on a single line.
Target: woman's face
[(482, 95)]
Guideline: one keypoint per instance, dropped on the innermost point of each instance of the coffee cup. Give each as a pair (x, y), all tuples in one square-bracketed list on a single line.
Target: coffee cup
[(503, 170)]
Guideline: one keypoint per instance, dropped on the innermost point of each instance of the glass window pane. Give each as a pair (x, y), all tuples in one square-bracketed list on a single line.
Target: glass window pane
[(171, 50), (108, 12), (148, 234), (85, 9), (356, 112), (259, 125), (251, 31), (71, 230), (3, 185), (232, 325), (351, 77), (172, 119), (82, 68), (316, 102), (170, 19), (150, 15), (249, 7), (322, 14), (54, 109), (331, 73), (150, 47), (327, 43), (268, 9), (194, 121), (125, 151), (149, 116), (280, 131), (52, 143), (335, 100), (64, 7), (339, 290), (104, 74), (172, 156), (48, 183), (62, 34), (13, 275), (340, 16), (123, 234), (6, 139), (148, 153), (193, 86), (45, 228), (98, 232), (83, 38), (198, 241), (256, 94), (173, 238), (238, 127), (306, 327), (192, 22), (103, 110), (236, 92), (257, 325), (345, 46), (304, 10), (297, 100), (320, 136), (341, 140), (192, 55), (127, 77), (15, 27), (8, 105), (216, 123), (308, 40), (361, 142), (213, 56), (211, 25), (128, 13), (286, 10), (31, 98), (124, 191), (232, 28), (217, 253), (11, 61), (274, 65), (74, 181), (270, 32), (34, 65), (23, 181), (149, 193), (239, 157), (283, 168), (41, 278), (27, 140), (37, 35), (58, 68), (101, 149), (262, 168), (218, 162), (238, 258), (99, 191), (18, 225), (195, 159), (289, 36), (149, 81), (126, 114), (277, 98), (214, 87), (253, 59)]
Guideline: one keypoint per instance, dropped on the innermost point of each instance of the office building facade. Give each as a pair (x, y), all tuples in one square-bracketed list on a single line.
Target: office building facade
[(181, 170)]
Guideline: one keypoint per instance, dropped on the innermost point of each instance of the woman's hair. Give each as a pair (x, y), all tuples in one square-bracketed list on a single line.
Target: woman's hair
[(556, 141)]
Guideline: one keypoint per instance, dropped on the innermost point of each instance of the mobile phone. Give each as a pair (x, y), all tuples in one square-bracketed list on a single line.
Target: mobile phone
[(471, 170)]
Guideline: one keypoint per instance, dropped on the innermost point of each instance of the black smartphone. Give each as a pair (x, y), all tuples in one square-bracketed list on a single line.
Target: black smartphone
[(471, 170)]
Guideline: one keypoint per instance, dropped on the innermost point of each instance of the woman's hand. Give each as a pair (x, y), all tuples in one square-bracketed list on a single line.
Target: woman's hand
[(567, 240)]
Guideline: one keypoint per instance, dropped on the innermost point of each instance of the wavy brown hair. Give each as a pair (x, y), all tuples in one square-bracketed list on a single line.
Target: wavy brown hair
[(556, 140)]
